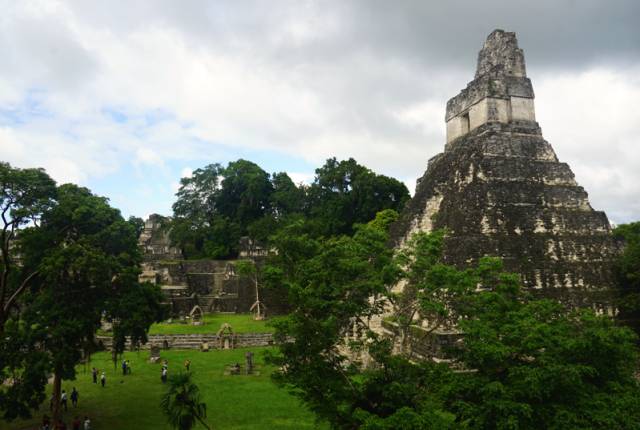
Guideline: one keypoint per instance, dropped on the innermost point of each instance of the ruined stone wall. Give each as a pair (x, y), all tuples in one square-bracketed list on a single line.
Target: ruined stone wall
[(194, 341), (500, 92)]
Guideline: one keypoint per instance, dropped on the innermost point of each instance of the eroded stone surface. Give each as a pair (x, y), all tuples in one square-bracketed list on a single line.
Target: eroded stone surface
[(499, 189)]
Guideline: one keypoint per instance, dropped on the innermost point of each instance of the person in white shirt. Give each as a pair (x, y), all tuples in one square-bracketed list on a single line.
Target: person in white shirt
[(63, 400)]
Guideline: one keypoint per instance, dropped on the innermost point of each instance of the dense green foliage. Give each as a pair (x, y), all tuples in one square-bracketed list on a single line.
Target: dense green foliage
[(81, 261), (523, 363), (25, 194), (182, 403), (627, 270), (345, 193), (217, 205)]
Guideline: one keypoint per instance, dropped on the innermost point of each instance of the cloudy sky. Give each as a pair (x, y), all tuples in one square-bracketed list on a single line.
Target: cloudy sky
[(125, 97)]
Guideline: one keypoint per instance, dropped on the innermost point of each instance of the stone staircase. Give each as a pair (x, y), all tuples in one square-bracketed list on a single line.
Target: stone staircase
[(194, 341)]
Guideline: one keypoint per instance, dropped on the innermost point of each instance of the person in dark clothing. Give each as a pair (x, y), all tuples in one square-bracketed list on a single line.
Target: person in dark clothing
[(124, 367), (76, 423), (94, 373), (46, 422), (103, 379), (74, 397)]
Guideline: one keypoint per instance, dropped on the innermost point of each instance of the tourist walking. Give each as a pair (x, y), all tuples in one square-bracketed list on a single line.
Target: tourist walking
[(124, 367), (94, 373), (87, 423), (63, 400), (163, 376), (103, 379), (187, 364), (74, 397)]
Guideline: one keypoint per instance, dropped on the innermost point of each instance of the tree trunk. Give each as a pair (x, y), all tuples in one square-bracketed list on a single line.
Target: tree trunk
[(259, 314), (55, 392)]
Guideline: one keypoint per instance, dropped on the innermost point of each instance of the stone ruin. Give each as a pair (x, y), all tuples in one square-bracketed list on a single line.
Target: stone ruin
[(213, 285), (499, 190)]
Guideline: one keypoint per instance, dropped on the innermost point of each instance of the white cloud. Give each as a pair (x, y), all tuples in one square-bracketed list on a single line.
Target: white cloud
[(149, 156), (591, 120), (187, 172), (156, 83), (301, 177)]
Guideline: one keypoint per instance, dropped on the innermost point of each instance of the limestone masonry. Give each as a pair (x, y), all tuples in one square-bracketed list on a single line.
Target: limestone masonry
[(499, 189)]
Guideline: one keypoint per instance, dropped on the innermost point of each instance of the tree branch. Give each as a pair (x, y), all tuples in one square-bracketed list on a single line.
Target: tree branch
[(18, 291)]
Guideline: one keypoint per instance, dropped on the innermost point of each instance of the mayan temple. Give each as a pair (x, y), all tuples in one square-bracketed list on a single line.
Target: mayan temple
[(499, 189)]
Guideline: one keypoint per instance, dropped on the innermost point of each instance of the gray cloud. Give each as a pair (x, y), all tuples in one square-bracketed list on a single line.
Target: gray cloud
[(367, 79)]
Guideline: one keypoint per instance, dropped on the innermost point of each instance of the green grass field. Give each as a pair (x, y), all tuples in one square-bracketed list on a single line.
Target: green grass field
[(240, 323), (132, 402)]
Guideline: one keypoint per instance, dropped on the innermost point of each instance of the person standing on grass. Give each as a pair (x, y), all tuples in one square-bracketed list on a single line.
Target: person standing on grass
[(46, 422), (103, 379), (124, 367), (75, 425), (163, 376), (74, 397), (87, 423), (94, 373), (63, 400), (187, 364)]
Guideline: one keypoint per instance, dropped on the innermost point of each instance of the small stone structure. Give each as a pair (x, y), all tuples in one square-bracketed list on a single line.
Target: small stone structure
[(499, 190), (248, 358), (154, 353), (196, 315), (226, 337)]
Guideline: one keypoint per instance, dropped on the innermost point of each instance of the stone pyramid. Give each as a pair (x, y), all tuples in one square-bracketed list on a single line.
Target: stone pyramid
[(499, 189)]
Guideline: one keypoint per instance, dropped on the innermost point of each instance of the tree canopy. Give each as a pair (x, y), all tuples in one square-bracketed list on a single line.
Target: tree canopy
[(521, 362), (627, 270), (85, 261), (217, 205)]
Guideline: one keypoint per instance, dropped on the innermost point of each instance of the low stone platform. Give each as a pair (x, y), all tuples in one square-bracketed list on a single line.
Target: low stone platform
[(194, 341)]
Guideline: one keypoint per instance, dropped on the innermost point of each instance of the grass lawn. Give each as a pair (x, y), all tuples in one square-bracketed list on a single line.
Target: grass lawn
[(240, 323), (132, 402)]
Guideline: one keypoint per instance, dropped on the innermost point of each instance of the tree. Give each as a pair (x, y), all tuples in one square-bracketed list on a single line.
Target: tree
[(345, 193), (627, 270), (25, 195), (195, 211), (287, 198), (250, 269), (181, 403), (198, 194), (87, 259), (333, 284), (138, 224), (526, 363), (216, 206), (245, 195), (539, 365), (132, 311)]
